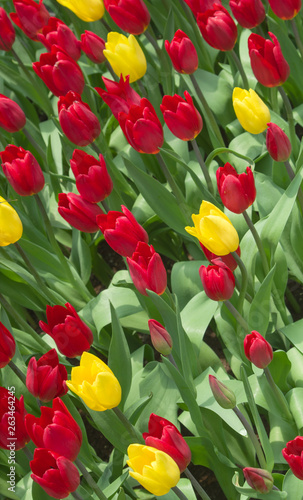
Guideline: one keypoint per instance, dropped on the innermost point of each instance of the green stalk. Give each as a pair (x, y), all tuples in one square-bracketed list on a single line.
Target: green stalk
[(203, 166), (172, 360), (17, 371), (240, 69), (128, 426), (278, 395), (197, 486), (92, 483), (244, 280), (179, 493), (34, 143), (294, 24), (292, 176), (291, 122), (258, 242), (253, 438), (27, 452), (77, 496), (237, 316), (274, 100)]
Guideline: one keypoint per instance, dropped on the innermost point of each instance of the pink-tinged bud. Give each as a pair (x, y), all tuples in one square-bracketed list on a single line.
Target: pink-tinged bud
[(78, 212), (181, 116), (92, 178), (147, 269), (160, 337), (55, 430), (12, 118), (224, 396), (121, 231), (131, 16), (182, 53), (7, 401), (30, 16), (248, 13), (22, 170), (45, 378), (228, 259), (7, 32), (7, 346), (78, 122), (218, 28), (57, 33), (119, 96), (293, 454), (237, 191), (93, 46), (71, 334), (277, 143), (218, 281), (57, 475), (164, 436), (285, 9), (259, 479), (258, 350)]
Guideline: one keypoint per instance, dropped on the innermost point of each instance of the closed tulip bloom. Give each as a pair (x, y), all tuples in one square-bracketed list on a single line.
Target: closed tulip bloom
[(214, 230), (160, 338), (87, 10), (12, 118), (218, 281), (45, 377), (131, 16), (164, 436), (92, 178), (119, 96), (7, 401), (182, 53), (57, 475), (251, 111), (197, 6), (71, 334), (228, 259), (293, 454), (78, 122), (147, 269), (222, 394), (94, 382), (237, 191), (125, 56), (7, 32), (218, 28), (285, 9), (57, 33), (22, 170), (181, 116), (11, 228), (55, 430), (259, 479), (155, 470), (277, 143), (78, 212), (258, 350), (248, 13), (121, 231), (267, 62), (30, 16), (7, 346), (93, 46)]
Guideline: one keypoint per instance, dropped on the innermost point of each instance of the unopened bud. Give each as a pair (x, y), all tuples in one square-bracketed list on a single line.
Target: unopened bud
[(259, 479), (160, 337), (224, 396)]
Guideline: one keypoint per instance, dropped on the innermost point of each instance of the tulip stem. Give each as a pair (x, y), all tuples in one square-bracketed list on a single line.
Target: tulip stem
[(240, 69), (253, 438), (92, 483), (244, 280), (150, 37), (292, 176), (172, 360), (28, 453), (297, 35), (258, 242), (77, 496), (179, 493), (196, 485), (203, 166), (24, 68), (110, 69), (278, 395), (128, 426), (17, 371), (274, 101), (237, 316), (291, 121), (34, 143)]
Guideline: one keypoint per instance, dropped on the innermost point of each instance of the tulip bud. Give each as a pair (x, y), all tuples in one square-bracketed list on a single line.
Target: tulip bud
[(182, 53), (7, 346), (92, 178), (218, 281), (228, 259), (93, 46), (22, 170), (147, 269), (251, 111), (11, 228), (88, 11), (293, 453), (45, 378), (222, 394), (258, 350), (237, 191), (160, 338), (285, 9), (7, 32), (259, 479), (181, 116), (248, 13), (78, 212), (7, 401), (277, 143), (56, 32), (12, 118), (131, 16), (218, 28), (125, 56), (30, 16)]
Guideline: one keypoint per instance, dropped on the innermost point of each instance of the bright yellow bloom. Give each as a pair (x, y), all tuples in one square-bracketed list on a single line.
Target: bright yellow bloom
[(214, 230), (125, 56), (11, 228), (95, 383), (251, 111), (87, 10), (154, 469)]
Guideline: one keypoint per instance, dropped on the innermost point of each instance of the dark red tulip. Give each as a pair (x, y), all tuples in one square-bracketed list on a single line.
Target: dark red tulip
[(131, 16), (8, 404), (277, 143), (228, 259), (182, 53), (56, 32), (12, 118), (92, 178), (285, 9), (147, 269), (181, 116), (93, 46), (218, 28), (197, 6), (237, 191), (45, 377), (22, 170), (7, 346), (218, 280), (259, 479), (119, 96), (248, 13), (78, 212), (257, 349), (293, 454), (7, 32), (30, 16)]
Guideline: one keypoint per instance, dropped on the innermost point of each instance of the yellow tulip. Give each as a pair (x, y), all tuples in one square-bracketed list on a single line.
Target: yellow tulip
[(156, 471), (125, 56), (251, 111), (87, 10), (214, 230), (11, 228), (95, 383)]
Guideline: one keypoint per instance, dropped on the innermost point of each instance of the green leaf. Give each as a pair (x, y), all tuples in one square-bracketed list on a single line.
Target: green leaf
[(294, 333), (279, 368), (81, 256), (292, 486), (197, 315), (295, 401), (185, 280), (259, 309)]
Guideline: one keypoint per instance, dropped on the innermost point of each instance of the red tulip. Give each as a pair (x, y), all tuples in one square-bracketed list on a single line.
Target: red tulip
[(131, 16), (92, 179), (181, 116), (30, 16), (197, 6), (228, 259), (259, 479), (7, 32), (147, 269), (119, 96), (218, 28), (237, 191), (160, 337), (16, 438), (45, 378), (285, 9), (277, 143), (182, 53), (78, 212), (22, 170), (293, 454), (258, 350), (248, 13), (218, 281), (7, 346), (93, 46), (12, 118), (56, 32)]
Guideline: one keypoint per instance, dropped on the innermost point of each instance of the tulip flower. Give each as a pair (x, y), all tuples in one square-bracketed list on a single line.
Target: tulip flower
[(94, 382), (22, 170), (119, 96), (125, 56), (78, 212), (218, 280), (92, 179), (121, 231), (87, 10), (164, 436), (277, 143), (93, 46), (78, 122), (56, 32), (71, 334), (131, 16), (57, 475), (11, 228), (7, 346), (30, 16), (45, 378), (267, 62), (214, 230), (12, 118), (55, 430), (285, 9), (218, 28), (293, 454), (182, 53), (147, 269), (250, 110), (7, 32), (9, 403), (248, 13), (259, 479), (160, 338), (155, 470), (222, 394), (181, 116), (59, 72), (228, 259), (258, 350), (237, 191)]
